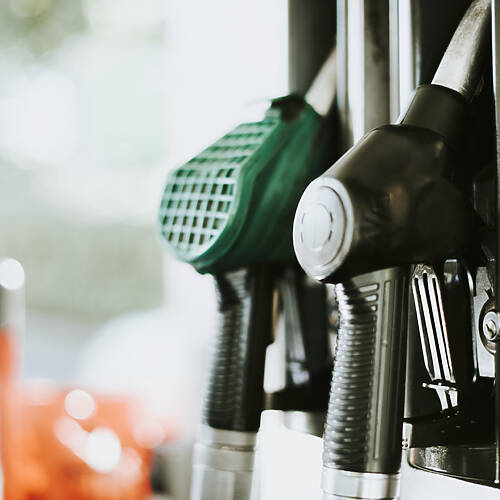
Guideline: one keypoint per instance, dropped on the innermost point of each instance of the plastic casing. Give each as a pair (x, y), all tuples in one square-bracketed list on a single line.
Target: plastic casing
[(390, 200), (233, 204)]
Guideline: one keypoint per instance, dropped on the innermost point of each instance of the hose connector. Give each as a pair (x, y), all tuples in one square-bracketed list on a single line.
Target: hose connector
[(223, 465), (344, 485)]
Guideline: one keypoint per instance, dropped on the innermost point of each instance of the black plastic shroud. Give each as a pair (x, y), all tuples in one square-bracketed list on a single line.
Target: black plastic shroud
[(391, 199)]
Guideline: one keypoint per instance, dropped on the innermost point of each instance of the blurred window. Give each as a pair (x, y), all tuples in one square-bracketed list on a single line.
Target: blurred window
[(98, 99)]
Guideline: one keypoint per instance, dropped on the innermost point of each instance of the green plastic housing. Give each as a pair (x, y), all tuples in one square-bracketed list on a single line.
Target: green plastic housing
[(233, 204)]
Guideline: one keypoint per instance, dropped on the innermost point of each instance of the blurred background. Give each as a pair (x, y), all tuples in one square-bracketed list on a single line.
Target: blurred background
[(98, 100)]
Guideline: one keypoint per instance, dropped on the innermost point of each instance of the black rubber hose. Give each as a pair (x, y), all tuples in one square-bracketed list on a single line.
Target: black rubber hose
[(234, 395), (364, 424)]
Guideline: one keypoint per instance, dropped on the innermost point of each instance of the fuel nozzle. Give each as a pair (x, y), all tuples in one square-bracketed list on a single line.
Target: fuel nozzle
[(390, 199), (233, 204), (388, 202)]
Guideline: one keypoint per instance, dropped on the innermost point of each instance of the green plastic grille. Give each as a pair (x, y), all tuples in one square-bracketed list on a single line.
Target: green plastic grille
[(198, 197)]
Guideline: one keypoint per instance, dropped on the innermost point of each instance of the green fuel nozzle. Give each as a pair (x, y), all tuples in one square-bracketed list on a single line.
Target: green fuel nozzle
[(233, 204)]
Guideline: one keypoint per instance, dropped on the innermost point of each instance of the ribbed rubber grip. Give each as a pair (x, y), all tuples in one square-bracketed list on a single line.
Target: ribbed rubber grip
[(365, 415), (234, 395)]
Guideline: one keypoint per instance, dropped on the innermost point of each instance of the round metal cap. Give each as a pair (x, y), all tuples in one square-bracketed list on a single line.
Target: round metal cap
[(321, 231)]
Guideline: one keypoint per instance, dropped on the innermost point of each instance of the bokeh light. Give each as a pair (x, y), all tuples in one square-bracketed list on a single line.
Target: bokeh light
[(79, 404), (11, 274)]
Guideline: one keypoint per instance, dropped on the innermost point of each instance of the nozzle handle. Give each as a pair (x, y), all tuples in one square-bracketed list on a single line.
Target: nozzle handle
[(234, 396), (363, 434), (234, 393)]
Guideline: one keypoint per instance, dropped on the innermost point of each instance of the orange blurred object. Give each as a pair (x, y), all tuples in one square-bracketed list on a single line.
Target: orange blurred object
[(68, 443)]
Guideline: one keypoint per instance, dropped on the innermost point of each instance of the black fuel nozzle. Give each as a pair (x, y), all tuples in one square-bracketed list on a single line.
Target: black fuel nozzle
[(390, 200)]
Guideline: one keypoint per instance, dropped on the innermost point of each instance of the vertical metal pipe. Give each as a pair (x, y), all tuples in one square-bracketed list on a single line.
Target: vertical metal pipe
[(420, 31), (311, 35), (408, 49), (394, 60), (345, 125), (404, 53), (363, 67)]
